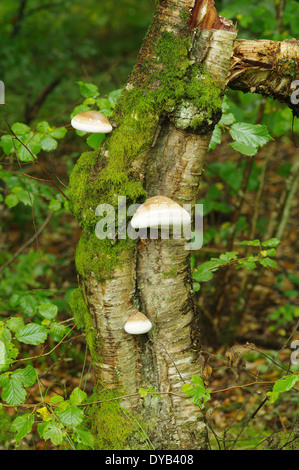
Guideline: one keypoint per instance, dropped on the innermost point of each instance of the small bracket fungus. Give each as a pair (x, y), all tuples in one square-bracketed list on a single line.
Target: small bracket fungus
[(137, 323), (160, 211), (91, 121)]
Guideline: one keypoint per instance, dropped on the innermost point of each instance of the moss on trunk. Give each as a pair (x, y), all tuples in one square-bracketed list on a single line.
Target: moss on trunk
[(162, 126)]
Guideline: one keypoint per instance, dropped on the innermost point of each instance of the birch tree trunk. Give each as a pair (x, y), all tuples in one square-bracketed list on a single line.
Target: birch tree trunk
[(163, 123)]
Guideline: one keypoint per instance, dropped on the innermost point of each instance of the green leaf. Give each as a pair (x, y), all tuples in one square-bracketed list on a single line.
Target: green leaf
[(88, 90), (216, 137), (95, 140), (23, 196), (249, 243), (250, 265), (229, 256), (24, 155), (56, 399), (248, 150), (54, 205), (104, 105), (29, 376), (114, 95), (13, 392), (58, 133), (252, 135), (32, 334), (268, 263), (43, 127), (272, 243), (227, 119), (196, 287), (72, 416), (48, 143), (197, 391), (271, 252), (85, 438), (214, 192), (20, 129), (213, 264), (77, 396), (7, 144), (294, 279), (203, 276), (29, 305), (22, 425), (14, 300), (2, 355), (11, 200), (283, 385), (142, 392), (57, 331), (53, 432), (4, 379), (48, 311)]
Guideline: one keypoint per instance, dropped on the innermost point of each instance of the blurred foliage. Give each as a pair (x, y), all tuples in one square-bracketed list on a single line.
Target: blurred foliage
[(85, 51), (70, 39), (261, 20)]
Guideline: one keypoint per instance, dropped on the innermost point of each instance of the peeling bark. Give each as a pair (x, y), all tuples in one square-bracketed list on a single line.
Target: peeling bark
[(204, 16), (266, 67)]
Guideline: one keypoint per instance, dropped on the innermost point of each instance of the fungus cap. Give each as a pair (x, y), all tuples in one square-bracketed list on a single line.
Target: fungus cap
[(137, 324), (91, 121), (160, 211)]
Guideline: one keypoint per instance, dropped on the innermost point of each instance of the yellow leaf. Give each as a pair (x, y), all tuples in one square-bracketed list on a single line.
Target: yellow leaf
[(44, 412)]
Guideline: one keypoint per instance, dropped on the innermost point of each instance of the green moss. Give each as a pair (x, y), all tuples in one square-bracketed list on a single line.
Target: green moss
[(100, 257), (185, 15), (100, 176), (176, 88), (78, 306), (95, 181), (82, 316), (111, 424), (171, 273), (287, 66)]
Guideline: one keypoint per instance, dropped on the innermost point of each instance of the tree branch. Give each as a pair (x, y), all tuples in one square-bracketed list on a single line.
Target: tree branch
[(266, 67)]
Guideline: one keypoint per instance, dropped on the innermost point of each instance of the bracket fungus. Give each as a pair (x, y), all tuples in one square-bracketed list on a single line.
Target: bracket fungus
[(137, 323), (160, 212), (92, 121)]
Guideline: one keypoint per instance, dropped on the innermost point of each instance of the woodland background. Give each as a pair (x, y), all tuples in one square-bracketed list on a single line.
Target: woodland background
[(55, 58)]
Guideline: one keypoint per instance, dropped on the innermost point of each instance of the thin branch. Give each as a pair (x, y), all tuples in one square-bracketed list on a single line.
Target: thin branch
[(31, 110), (34, 157), (31, 202), (27, 243)]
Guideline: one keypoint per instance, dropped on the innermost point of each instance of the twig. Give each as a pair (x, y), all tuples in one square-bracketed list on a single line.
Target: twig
[(269, 157), (31, 110), (292, 184), (266, 372), (25, 174), (27, 243), (31, 203), (34, 157), (49, 352)]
